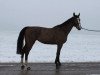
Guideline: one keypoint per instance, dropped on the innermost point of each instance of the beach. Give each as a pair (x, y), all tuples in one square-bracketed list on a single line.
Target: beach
[(86, 68)]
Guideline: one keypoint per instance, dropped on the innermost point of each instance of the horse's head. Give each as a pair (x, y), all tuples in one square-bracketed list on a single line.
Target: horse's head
[(76, 22)]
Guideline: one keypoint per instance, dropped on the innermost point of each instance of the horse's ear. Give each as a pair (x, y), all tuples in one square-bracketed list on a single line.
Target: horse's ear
[(78, 14), (74, 14)]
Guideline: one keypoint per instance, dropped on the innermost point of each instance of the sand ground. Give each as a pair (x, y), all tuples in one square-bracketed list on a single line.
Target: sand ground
[(86, 68)]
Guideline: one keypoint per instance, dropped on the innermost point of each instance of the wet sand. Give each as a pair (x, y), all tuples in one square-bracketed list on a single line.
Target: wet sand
[(86, 68)]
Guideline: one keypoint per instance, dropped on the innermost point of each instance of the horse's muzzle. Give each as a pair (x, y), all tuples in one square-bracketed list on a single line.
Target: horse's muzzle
[(79, 27)]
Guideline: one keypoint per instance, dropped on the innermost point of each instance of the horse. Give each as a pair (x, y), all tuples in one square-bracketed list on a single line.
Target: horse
[(56, 35)]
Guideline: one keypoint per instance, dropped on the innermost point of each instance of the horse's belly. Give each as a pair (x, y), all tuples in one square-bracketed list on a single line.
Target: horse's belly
[(46, 39), (49, 36), (52, 40), (45, 35)]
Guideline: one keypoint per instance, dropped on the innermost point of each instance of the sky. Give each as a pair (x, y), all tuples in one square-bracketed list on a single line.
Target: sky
[(15, 14)]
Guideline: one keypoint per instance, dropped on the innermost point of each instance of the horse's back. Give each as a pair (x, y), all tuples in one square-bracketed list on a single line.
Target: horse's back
[(37, 31)]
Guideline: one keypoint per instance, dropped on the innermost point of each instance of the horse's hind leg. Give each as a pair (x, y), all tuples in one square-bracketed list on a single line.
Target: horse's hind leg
[(26, 58), (25, 52), (28, 48), (22, 64), (22, 58)]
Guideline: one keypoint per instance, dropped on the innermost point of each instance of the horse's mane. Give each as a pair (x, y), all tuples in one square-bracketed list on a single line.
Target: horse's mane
[(64, 23)]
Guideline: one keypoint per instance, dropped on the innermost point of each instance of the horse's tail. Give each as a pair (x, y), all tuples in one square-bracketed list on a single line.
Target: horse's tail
[(20, 41)]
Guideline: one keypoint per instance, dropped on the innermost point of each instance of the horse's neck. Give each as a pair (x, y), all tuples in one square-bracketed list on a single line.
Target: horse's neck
[(67, 27)]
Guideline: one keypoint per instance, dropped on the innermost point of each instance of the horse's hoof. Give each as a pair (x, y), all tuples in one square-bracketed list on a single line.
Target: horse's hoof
[(28, 68), (22, 67)]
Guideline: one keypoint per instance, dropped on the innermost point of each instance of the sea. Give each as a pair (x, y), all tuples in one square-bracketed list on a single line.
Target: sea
[(81, 46)]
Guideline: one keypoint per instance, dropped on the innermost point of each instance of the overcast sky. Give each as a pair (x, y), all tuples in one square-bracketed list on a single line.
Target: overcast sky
[(20, 13)]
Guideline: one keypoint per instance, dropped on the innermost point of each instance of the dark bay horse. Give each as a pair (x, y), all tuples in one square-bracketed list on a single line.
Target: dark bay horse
[(56, 35)]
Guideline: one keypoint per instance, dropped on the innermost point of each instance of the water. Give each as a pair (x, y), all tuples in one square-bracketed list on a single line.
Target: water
[(81, 46)]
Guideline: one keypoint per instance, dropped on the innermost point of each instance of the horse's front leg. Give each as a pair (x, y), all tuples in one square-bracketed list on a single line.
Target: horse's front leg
[(57, 61)]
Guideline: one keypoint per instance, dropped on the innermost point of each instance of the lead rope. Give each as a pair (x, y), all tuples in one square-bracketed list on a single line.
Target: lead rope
[(90, 30)]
